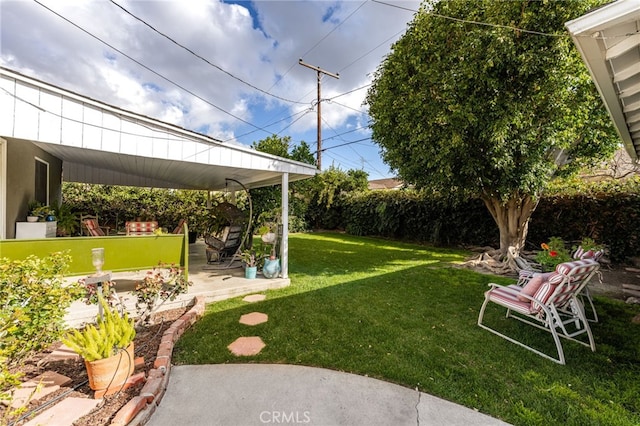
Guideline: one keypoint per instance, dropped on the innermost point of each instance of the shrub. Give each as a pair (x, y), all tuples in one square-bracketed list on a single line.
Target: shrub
[(552, 254), (159, 285), (33, 301)]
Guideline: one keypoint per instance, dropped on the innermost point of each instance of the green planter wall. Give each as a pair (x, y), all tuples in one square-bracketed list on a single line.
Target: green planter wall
[(122, 253)]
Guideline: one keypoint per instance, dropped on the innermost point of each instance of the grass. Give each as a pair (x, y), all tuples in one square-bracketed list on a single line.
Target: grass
[(399, 312)]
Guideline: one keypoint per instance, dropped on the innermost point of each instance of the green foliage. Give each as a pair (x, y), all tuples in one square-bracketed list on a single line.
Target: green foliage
[(606, 213), (324, 192), (400, 313), (486, 110), (417, 216), (111, 334), (92, 296), (163, 283), (42, 212), (114, 205), (249, 257), (451, 115), (552, 254), (269, 198), (67, 220), (33, 303)]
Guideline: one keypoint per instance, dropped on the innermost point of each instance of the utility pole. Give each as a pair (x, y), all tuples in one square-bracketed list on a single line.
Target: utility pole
[(319, 71)]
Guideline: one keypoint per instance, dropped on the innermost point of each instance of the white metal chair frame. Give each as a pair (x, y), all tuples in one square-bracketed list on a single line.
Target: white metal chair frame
[(527, 269), (562, 309)]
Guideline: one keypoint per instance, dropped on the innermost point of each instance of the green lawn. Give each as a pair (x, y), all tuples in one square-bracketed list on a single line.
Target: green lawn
[(399, 312)]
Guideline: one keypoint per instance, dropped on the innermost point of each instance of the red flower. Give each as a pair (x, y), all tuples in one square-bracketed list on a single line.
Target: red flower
[(553, 253)]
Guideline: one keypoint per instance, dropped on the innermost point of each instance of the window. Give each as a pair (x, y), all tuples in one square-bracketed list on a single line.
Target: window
[(42, 182)]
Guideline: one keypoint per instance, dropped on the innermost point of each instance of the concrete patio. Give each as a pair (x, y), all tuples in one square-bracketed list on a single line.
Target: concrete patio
[(213, 282)]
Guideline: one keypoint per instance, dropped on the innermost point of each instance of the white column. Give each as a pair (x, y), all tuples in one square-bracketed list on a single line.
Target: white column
[(284, 246)]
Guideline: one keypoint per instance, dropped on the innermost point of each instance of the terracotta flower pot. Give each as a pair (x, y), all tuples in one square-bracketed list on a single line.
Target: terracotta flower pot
[(112, 372)]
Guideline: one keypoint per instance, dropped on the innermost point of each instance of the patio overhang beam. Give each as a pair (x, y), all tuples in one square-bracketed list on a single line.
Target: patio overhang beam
[(608, 39)]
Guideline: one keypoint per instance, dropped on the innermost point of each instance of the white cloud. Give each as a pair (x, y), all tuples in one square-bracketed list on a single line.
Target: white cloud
[(346, 37)]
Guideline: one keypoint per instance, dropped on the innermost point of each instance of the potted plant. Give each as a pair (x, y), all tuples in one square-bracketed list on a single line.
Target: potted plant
[(43, 213), (107, 349), (32, 208), (67, 220), (250, 261), (269, 235)]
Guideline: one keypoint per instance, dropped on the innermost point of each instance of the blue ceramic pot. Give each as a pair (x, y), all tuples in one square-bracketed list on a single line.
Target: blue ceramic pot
[(271, 268), (250, 272)]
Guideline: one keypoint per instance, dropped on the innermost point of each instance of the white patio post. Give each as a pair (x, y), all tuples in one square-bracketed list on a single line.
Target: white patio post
[(284, 246)]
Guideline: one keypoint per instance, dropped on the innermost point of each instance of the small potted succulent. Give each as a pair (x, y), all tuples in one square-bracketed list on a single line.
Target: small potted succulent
[(250, 261), (107, 349)]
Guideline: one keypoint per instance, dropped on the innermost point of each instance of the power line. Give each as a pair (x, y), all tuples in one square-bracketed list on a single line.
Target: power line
[(370, 51), (344, 133), (350, 91), (333, 29), (348, 107), (149, 69), (345, 144), (202, 58), (304, 111), (466, 21), (317, 43)]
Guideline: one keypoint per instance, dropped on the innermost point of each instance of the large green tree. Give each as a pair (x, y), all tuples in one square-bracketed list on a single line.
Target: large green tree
[(493, 110)]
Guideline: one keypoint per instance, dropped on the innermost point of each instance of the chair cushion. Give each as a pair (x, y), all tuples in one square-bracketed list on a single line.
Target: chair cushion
[(214, 242), (93, 228), (508, 297), (547, 288), (584, 265), (531, 287)]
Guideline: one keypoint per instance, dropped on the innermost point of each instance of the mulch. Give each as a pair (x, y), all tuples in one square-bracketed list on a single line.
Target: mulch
[(146, 344)]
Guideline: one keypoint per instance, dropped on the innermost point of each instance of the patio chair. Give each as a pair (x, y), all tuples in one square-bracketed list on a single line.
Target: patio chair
[(179, 229), (225, 244), (135, 227), (580, 253), (549, 303), (90, 226)]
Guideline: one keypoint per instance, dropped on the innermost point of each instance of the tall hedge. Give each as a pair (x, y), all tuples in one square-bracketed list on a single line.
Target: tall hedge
[(607, 212)]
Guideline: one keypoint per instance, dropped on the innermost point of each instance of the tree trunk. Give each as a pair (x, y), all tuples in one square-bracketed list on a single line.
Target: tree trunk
[(512, 218)]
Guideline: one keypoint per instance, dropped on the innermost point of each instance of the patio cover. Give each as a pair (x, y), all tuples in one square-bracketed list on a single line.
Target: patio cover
[(103, 144), (608, 39)]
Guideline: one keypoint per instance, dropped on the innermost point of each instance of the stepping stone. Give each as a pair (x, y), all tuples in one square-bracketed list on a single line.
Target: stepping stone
[(65, 412), (48, 381), (63, 354), (246, 346), (255, 298), (254, 318)]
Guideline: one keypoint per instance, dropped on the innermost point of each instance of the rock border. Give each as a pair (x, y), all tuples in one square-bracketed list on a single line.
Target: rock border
[(139, 409)]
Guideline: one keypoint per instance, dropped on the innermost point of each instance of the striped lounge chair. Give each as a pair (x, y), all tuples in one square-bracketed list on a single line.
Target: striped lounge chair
[(92, 227), (141, 228), (549, 302)]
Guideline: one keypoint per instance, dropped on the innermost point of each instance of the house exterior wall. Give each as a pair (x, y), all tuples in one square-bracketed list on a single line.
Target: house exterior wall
[(20, 177)]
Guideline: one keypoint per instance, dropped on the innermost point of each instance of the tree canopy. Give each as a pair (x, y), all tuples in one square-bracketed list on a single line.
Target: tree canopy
[(493, 109), (487, 108)]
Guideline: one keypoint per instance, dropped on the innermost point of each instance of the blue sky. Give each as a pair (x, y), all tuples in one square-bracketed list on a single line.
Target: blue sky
[(227, 69)]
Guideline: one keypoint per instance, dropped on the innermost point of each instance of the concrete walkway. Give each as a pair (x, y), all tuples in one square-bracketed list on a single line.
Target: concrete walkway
[(259, 394)]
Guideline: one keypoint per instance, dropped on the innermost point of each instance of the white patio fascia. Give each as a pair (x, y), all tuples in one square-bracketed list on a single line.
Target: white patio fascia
[(608, 39), (103, 144)]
